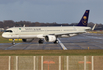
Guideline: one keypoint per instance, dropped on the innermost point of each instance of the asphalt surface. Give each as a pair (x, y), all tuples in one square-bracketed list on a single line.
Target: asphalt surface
[(82, 41)]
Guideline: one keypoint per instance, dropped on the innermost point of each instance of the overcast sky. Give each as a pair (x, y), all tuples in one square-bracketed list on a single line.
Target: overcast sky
[(60, 11)]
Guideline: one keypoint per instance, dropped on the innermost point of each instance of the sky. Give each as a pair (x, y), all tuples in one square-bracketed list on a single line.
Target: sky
[(49, 11)]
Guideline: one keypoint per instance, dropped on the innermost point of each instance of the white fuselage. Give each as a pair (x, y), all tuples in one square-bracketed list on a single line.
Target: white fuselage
[(40, 32)]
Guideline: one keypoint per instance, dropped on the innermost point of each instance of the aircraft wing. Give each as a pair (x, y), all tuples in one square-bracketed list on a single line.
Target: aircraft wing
[(57, 34)]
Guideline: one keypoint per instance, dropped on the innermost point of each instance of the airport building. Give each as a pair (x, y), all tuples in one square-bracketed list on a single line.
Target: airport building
[(1, 29)]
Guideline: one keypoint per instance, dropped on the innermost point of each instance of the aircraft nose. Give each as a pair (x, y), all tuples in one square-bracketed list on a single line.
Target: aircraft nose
[(3, 35), (6, 35)]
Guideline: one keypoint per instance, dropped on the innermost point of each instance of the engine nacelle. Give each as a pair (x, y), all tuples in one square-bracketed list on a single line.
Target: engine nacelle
[(27, 40), (50, 38)]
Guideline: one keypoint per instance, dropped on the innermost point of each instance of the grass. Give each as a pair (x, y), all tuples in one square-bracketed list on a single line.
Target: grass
[(51, 52), (98, 32)]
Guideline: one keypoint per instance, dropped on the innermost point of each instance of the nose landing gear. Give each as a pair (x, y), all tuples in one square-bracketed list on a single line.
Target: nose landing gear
[(13, 43)]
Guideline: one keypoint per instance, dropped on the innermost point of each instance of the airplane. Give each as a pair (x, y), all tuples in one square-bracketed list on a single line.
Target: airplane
[(48, 34)]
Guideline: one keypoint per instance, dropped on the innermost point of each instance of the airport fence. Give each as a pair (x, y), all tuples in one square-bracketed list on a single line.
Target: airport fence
[(51, 62)]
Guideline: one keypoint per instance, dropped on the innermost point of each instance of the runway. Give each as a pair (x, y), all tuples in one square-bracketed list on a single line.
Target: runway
[(82, 41)]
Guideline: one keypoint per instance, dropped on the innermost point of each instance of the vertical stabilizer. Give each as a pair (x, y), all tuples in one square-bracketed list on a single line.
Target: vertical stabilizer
[(84, 19)]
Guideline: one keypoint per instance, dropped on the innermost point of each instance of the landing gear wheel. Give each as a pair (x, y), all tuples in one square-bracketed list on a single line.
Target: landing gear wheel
[(41, 41), (13, 43), (56, 42)]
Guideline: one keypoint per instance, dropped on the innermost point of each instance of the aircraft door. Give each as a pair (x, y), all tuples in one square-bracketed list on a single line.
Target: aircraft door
[(16, 34)]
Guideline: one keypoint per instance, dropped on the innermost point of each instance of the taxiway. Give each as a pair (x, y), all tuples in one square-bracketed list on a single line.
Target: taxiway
[(82, 41)]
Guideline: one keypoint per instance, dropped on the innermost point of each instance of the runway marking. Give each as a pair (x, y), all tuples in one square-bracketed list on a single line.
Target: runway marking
[(62, 45), (98, 45), (26, 47), (12, 46)]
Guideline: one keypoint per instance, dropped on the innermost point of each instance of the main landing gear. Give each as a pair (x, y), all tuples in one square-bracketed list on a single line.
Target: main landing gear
[(41, 41), (56, 42), (13, 43)]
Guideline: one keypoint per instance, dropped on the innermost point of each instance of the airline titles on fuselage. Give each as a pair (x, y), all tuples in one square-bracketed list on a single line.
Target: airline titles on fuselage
[(32, 29), (39, 29)]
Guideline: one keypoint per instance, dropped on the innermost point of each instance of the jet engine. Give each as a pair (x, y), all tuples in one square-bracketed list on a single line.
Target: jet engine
[(27, 40), (50, 38)]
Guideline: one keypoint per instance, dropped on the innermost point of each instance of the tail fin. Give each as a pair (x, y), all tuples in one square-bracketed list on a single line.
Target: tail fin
[(84, 19)]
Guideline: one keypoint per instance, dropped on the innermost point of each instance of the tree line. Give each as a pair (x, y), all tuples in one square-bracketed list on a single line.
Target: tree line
[(10, 23)]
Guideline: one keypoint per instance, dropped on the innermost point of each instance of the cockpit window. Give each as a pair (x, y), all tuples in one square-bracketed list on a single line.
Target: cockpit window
[(8, 31)]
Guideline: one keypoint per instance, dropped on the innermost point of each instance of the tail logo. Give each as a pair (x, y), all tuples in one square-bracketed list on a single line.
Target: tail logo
[(86, 11), (84, 22), (84, 17)]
